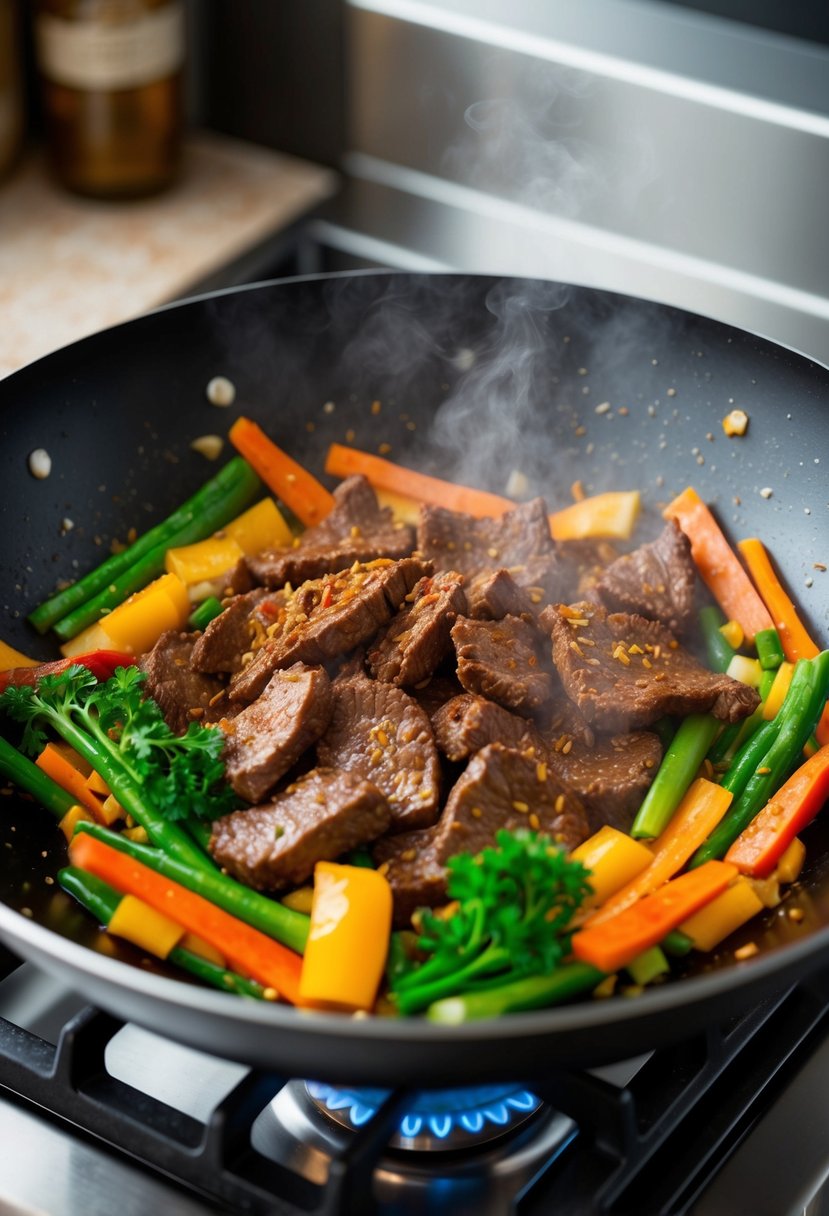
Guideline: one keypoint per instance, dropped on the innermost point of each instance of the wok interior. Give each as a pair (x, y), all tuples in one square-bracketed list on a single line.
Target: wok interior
[(557, 383)]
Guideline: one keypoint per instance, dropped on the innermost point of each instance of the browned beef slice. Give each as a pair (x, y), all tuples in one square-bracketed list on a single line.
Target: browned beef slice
[(184, 695), (417, 639), (656, 580), (267, 738), (501, 787), (318, 818), (496, 594), (624, 671), (452, 539), (467, 723), (228, 636), (611, 777), (379, 732), (356, 530), (583, 562), (433, 693), (500, 660), (327, 617)]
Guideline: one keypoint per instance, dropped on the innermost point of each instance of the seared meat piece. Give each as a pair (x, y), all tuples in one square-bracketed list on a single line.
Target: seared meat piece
[(433, 693), (229, 635), (500, 660), (611, 777), (184, 695), (470, 545), (583, 562), (500, 788), (623, 671), (327, 617), (356, 530), (379, 732), (467, 723), (318, 818), (496, 594), (417, 640), (655, 580), (267, 738)]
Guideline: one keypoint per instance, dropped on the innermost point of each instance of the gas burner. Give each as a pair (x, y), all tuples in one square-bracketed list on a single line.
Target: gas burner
[(443, 1119)]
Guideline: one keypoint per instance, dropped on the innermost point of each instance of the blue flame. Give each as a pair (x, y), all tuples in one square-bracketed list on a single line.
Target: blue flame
[(439, 1112)]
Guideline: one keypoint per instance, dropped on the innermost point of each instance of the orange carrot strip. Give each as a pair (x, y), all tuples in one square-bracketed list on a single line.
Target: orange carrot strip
[(694, 819), (343, 461), (298, 489), (794, 639), (247, 949), (758, 849), (64, 774), (617, 941), (718, 565)]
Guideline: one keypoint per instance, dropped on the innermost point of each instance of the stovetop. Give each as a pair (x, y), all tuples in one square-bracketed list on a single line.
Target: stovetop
[(117, 1119)]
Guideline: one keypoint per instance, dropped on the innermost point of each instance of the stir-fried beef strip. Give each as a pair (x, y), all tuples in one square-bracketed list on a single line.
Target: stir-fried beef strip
[(184, 695), (433, 693), (265, 740), (496, 594), (583, 562), (500, 660), (418, 638), (467, 723), (656, 580), (356, 530), (611, 777), (380, 733), (228, 636), (501, 787), (318, 818), (328, 617), (624, 671)]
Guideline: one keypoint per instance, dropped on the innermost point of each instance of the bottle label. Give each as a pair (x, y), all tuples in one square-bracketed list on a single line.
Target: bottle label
[(111, 55)]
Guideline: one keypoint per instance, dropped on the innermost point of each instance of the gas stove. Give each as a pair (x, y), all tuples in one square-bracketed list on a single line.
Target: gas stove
[(97, 1116)]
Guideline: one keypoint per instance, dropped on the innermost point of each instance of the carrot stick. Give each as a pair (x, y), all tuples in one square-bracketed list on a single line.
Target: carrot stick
[(718, 565), (758, 849), (617, 941), (298, 489), (694, 819), (793, 636), (247, 949), (64, 774), (343, 461)]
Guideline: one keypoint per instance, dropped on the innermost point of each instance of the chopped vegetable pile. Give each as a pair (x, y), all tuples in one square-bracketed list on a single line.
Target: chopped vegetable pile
[(437, 754)]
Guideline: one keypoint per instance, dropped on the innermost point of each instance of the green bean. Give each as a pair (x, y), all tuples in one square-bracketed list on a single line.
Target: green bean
[(719, 651), (769, 649), (57, 606), (676, 772), (17, 768), (534, 992), (206, 612)]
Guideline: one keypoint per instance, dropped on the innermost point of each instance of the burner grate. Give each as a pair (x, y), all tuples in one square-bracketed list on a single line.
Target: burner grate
[(647, 1146)]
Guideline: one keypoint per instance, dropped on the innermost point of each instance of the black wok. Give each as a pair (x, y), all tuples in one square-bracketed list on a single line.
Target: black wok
[(514, 372)]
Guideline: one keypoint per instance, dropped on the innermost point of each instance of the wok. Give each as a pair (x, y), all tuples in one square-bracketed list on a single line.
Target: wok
[(475, 377)]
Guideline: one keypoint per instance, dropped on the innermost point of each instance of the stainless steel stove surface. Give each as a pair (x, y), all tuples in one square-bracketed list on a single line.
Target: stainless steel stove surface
[(117, 1119)]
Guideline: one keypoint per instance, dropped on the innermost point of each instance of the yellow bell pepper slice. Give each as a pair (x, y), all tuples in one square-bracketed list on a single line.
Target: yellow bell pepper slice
[(9, 658), (614, 859), (612, 515), (262, 526), (300, 900), (197, 945), (348, 938), (75, 815), (137, 624), (791, 863), (713, 923), (140, 924), (94, 637), (203, 561), (778, 690)]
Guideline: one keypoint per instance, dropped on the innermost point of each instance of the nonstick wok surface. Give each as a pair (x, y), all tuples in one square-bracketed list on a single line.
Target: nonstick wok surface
[(560, 383)]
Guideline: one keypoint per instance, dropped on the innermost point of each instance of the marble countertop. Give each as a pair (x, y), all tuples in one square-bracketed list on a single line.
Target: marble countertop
[(70, 266)]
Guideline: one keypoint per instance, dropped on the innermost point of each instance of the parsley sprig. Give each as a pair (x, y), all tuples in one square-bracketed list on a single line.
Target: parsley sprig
[(511, 906), (157, 776)]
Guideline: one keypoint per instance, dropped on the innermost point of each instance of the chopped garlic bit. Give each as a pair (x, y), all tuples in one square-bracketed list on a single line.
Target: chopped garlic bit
[(735, 422), (766, 492), (40, 463), (66, 525), (209, 446), (221, 391)]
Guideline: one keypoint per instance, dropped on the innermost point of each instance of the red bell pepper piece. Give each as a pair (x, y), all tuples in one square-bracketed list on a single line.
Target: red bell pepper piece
[(101, 663), (759, 848)]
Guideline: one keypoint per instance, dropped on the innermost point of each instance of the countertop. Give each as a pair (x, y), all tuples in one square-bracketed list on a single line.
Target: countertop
[(71, 266)]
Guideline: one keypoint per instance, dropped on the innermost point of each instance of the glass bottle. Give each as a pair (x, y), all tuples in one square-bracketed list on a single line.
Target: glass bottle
[(111, 84)]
